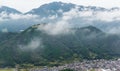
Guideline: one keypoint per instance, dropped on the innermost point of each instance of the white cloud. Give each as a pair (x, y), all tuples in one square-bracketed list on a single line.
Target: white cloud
[(5, 30), (33, 44), (85, 13), (107, 16), (80, 18), (60, 11), (61, 25), (4, 16), (52, 17), (114, 30), (71, 14), (58, 28), (18, 16)]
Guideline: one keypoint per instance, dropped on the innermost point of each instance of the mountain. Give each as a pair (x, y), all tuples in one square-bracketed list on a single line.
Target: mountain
[(34, 46), (58, 8), (8, 10), (37, 47), (5, 36), (47, 13), (52, 9), (10, 17)]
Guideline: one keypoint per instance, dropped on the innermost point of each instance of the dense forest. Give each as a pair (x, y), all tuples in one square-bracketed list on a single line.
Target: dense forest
[(37, 48)]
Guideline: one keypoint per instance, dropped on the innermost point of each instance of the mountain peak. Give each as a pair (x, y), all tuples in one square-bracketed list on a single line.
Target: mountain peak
[(52, 9), (60, 3), (8, 10)]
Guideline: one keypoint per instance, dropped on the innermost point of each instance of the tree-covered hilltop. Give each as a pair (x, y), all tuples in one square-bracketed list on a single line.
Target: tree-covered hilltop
[(34, 46)]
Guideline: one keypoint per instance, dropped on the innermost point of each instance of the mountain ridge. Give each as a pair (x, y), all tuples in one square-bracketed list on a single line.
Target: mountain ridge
[(33, 46), (95, 8), (9, 10), (50, 12)]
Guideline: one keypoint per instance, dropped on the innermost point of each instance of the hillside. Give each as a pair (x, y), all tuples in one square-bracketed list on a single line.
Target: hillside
[(33, 46)]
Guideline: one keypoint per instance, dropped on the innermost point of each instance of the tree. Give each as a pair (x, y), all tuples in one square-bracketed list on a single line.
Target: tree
[(67, 70)]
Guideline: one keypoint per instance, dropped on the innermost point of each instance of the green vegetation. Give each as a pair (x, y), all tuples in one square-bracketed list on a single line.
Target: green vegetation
[(58, 49), (68, 70), (7, 69)]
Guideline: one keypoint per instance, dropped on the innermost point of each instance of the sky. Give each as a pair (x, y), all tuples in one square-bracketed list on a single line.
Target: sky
[(27, 5)]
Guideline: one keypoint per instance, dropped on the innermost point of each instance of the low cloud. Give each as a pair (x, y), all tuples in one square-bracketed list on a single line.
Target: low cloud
[(114, 30), (53, 17), (4, 16), (58, 28), (105, 20), (17, 22), (33, 44), (108, 15), (73, 18), (4, 30)]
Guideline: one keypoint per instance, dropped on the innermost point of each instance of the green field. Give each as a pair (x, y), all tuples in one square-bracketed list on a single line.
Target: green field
[(10, 69), (7, 69)]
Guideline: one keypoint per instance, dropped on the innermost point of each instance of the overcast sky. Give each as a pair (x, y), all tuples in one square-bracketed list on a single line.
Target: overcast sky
[(26, 5)]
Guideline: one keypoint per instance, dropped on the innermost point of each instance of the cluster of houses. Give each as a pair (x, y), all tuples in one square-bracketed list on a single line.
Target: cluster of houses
[(86, 65)]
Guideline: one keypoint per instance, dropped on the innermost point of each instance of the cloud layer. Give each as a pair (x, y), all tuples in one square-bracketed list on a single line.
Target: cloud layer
[(107, 20), (4, 16), (59, 28)]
